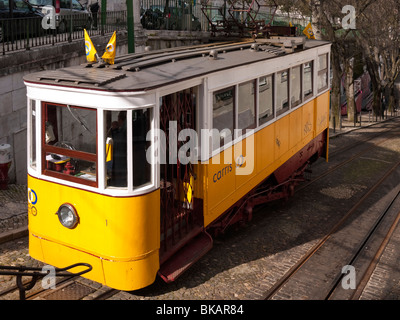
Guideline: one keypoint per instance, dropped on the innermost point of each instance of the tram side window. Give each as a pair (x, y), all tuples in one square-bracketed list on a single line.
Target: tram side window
[(322, 72), (247, 105), (141, 124), (223, 116), (266, 99), (282, 92), (32, 144), (116, 148), (295, 86), (70, 143), (308, 80)]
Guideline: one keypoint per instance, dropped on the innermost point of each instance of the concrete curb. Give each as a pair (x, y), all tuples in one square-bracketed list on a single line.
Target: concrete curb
[(351, 129), (13, 234)]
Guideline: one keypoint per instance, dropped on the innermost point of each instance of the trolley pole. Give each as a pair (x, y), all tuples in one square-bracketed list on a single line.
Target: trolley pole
[(130, 26)]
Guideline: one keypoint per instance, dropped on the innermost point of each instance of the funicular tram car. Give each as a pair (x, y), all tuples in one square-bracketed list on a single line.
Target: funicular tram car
[(111, 179)]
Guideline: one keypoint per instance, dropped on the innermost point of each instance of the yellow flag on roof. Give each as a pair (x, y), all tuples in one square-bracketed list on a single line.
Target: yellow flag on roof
[(109, 55), (90, 49), (309, 32)]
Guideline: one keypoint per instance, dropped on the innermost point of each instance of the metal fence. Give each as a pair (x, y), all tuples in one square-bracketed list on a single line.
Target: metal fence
[(299, 22), (189, 15), (25, 33)]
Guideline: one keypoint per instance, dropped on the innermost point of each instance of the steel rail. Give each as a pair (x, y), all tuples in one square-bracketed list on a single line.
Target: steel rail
[(364, 243), (339, 165), (279, 284), (367, 275), (37, 273), (340, 150)]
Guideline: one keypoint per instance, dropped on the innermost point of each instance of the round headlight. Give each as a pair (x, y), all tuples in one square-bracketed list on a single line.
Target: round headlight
[(67, 216)]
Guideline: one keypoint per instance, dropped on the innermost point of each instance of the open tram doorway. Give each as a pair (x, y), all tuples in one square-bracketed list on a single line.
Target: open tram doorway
[(181, 212)]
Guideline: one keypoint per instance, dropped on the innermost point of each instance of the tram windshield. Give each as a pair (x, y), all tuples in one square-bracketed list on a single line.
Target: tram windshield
[(70, 147), (70, 143)]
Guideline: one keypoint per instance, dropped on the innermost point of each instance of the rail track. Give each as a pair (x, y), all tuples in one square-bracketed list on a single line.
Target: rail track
[(373, 144), (73, 288), (387, 126), (325, 254)]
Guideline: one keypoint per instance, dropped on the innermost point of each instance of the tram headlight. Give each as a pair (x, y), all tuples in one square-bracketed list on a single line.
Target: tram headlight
[(67, 216)]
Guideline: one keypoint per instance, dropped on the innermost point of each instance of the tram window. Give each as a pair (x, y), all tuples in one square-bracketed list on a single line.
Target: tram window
[(247, 105), (70, 143), (295, 86), (141, 124), (223, 116), (282, 93), (32, 144), (308, 80), (322, 72), (266, 102), (74, 125), (116, 148)]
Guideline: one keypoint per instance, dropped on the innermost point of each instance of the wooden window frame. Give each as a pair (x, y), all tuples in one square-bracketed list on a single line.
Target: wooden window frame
[(294, 104), (287, 108), (236, 105), (272, 116), (86, 156), (323, 71), (234, 102), (310, 95)]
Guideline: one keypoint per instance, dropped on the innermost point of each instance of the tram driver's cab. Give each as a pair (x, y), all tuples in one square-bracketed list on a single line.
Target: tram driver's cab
[(71, 149)]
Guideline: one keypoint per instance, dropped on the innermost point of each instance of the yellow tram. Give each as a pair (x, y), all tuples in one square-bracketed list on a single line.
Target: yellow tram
[(132, 167)]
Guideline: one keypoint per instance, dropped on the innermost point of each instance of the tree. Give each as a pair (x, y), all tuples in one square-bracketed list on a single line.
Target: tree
[(379, 37), (371, 27), (337, 21), (376, 33)]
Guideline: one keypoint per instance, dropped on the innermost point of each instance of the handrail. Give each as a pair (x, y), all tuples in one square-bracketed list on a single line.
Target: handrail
[(38, 273)]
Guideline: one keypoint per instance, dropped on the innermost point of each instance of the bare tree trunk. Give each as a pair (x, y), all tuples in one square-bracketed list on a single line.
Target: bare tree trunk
[(335, 93), (349, 87), (376, 104), (391, 103)]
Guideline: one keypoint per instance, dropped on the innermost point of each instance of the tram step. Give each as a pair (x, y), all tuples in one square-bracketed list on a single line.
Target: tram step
[(185, 257)]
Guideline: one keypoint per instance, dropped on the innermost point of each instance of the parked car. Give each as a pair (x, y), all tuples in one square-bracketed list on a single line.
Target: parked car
[(18, 18), (64, 11)]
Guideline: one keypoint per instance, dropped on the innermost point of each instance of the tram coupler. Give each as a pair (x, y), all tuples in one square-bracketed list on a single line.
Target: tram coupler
[(38, 273)]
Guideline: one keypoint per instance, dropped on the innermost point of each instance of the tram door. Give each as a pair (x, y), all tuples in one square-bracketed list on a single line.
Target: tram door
[(181, 214)]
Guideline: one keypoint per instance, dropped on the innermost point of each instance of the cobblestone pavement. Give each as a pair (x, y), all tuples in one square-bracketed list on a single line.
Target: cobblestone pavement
[(244, 263), (384, 283), (13, 208)]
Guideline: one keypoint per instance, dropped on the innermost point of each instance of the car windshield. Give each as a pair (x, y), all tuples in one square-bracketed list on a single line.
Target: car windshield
[(41, 2), (21, 5)]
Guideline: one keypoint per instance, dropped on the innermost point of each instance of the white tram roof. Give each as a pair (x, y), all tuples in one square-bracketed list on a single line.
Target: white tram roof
[(150, 70)]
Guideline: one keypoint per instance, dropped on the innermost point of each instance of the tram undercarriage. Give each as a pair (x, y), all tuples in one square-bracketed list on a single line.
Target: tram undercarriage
[(197, 241)]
